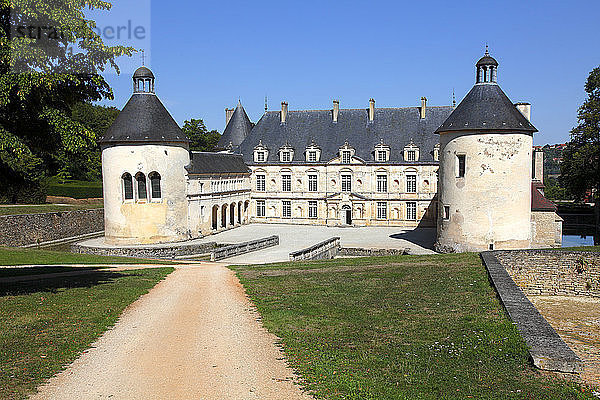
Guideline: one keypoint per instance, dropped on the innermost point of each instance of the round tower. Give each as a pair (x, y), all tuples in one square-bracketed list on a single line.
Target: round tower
[(485, 170), (144, 155)]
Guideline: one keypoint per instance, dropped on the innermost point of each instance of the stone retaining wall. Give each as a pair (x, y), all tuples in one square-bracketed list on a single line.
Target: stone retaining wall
[(360, 252), (170, 251), (242, 248), (25, 229), (324, 250), (553, 272)]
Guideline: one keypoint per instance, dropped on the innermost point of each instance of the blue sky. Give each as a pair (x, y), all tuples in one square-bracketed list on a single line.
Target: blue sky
[(208, 54)]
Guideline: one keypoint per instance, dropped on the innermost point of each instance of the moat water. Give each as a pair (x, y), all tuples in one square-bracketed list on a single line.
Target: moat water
[(577, 240)]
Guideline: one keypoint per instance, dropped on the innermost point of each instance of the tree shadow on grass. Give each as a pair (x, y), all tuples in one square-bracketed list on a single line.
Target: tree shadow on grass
[(93, 277)]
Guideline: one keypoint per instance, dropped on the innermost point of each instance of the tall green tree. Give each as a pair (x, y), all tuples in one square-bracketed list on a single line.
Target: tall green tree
[(201, 138), (580, 169), (85, 164), (39, 85)]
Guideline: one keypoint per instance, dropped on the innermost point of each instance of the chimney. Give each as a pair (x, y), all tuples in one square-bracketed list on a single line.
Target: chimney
[(336, 110), (423, 106), (284, 109), (371, 110), (525, 109), (538, 165), (228, 115)]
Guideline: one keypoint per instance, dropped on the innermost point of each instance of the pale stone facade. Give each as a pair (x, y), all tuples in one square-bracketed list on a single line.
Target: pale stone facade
[(371, 195)]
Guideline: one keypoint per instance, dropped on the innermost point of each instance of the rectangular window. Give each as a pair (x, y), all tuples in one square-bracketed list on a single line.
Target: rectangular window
[(461, 160), (382, 183), (260, 183), (411, 155), (260, 156), (260, 208), (411, 211), (287, 209), (446, 212), (312, 183), (381, 155), (312, 209), (286, 183), (312, 156), (286, 156), (381, 210), (346, 157), (346, 183), (411, 184)]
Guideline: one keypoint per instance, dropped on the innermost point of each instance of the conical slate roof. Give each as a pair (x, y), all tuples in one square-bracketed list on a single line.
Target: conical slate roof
[(144, 119), (486, 108), (238, 127)]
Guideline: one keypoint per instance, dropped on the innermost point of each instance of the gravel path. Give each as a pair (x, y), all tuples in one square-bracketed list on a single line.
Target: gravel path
[(194, 336)]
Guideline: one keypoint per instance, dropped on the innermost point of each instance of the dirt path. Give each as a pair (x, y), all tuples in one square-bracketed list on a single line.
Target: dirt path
[(194, 336)]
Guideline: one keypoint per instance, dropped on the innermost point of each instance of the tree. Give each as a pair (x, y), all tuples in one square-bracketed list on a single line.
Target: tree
[(85, 164), (39, 84), (580, 169), (201, 138)]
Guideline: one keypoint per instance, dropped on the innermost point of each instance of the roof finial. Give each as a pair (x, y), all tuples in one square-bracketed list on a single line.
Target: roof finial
[(266, 106), (487, 53), (143, 58), (453, 99)]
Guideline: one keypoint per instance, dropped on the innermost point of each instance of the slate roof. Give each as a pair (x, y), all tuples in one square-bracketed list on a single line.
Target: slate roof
[(238, 127), (538, 201), (144, 119), (395, 127), (216, 163), (143, 72), (486, 108)]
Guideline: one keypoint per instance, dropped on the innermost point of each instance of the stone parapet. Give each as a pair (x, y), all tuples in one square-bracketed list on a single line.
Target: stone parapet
[(27, 229)]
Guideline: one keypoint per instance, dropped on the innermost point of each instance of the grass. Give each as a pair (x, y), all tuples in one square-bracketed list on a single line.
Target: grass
[(44, 325), (582, 248), (75, 189), (18, 256), (44, 208), (398, 327)]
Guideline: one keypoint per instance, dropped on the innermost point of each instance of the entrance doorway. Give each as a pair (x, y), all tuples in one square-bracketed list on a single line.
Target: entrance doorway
[(347, 213), (215, 211)]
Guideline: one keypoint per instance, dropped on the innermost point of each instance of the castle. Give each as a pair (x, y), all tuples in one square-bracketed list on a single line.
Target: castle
[(469, 170)]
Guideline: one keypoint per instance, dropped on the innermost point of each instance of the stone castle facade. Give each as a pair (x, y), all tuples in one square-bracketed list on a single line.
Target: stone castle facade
[(465, 169)]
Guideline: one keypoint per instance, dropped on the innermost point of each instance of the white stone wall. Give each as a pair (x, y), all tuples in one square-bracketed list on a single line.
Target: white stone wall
[(209, 195), (331, 201), (150, 220), (491, 204)]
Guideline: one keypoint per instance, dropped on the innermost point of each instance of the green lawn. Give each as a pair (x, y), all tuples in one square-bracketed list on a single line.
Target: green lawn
[(45, 325), (18, 256), (583, 248), (75, 189), (401, 327), (44, 208)]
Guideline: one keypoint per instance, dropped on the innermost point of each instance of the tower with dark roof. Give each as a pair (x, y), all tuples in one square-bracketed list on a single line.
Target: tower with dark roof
[(485, 170), (144, 155), (237, 128)]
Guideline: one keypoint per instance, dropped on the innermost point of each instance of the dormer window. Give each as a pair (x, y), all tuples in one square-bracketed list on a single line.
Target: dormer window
[(411, 152), (312, 152), (436, 152), (382, 152), (260, 153), (346, 155), (286, 153)]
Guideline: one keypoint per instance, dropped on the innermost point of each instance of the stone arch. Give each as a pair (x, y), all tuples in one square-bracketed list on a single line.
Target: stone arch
[(224, 216), (215, 217)]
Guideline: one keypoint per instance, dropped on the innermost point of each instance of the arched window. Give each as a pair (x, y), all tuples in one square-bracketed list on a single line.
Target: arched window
[(127, 186), (142, 192), (155, 192)]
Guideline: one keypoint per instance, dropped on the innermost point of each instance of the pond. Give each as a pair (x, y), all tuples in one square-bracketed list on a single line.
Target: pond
[(577, 240)]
